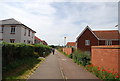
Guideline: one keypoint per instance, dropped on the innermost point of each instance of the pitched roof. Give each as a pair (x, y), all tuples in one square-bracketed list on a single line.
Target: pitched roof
[(12, 21), (103, 34), (87, 27), (38, 38), (71, 44), (107, 34)]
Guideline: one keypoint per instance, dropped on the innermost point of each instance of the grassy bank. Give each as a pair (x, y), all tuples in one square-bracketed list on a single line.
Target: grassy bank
[(21, 69)]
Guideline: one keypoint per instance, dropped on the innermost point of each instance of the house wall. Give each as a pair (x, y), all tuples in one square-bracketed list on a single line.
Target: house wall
[(87, 35), (18, 36), (6, 35), (107, 57), (26, 37), (114, 42), (101, 42)]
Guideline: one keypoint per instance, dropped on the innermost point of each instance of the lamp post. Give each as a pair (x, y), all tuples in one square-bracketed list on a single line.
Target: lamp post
[(64, 41)]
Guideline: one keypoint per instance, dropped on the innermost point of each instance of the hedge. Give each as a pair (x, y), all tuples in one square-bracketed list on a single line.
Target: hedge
[(42, 50), (16, 51)]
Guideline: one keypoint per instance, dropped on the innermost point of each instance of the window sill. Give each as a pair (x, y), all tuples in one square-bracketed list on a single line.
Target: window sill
[(12, 33)]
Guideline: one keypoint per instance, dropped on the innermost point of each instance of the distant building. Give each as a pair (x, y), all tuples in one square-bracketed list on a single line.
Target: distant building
[(90, 38), (71, 44), (13, 31), (37, 40)]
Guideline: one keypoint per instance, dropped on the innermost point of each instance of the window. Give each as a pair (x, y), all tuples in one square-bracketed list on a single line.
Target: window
[(108, 42), (87, 42), (28, 41), (24, 41), (32, 34), (25, 32), (12, 40), (12, 29), (2, 28), (1, 40), (29, 33)]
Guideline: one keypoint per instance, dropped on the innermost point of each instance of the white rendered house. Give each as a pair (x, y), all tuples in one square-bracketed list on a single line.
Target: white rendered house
[(13, 31)]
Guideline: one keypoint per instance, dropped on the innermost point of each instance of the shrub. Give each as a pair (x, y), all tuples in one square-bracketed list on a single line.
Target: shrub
[(81, 58), (70, 56)]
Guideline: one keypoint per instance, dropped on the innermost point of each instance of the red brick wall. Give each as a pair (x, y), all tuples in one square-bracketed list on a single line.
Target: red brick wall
[(87, 35), (67, 50), (107, 57)]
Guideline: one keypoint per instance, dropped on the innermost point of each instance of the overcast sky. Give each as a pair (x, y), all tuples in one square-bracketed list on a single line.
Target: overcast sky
[(55, 20)]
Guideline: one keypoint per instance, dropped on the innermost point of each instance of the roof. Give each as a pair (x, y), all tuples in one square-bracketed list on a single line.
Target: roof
[(71, 44), (12, 21), (38, 38), (103, 34), (9, 21), (44, 42), (87, 27), (107, 34)]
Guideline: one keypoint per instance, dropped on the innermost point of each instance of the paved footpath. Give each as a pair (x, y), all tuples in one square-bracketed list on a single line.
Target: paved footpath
[(59, 66)]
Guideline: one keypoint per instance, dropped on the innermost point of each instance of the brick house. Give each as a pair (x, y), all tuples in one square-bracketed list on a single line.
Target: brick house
[(13, 31), (90, 38), (71, 44)]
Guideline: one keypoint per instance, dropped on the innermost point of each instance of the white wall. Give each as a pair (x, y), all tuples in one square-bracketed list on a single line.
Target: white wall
[(7, 34), (26, 37)]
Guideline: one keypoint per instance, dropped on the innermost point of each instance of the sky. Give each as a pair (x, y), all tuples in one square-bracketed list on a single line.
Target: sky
[(53, 20)]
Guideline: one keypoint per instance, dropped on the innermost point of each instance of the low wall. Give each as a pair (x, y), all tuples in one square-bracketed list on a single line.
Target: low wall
[(107, 57), (67, 50)]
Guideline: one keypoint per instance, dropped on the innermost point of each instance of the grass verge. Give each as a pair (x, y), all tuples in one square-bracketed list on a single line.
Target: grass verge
[(22, 69)]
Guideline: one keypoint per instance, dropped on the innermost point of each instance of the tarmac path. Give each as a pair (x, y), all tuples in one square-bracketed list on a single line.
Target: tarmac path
[(58, 66)]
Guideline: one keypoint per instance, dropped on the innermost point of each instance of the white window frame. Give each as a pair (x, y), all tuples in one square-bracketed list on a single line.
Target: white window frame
[(13, 29), (87, 42), (29, 33), (108, 42), (12, 40), (25, 32), (1, 29)]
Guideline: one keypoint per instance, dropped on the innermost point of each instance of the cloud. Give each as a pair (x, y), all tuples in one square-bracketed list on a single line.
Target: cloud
[(54, 20)]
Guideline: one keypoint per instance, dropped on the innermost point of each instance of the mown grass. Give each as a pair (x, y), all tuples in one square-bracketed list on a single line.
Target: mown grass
[(21, 69)]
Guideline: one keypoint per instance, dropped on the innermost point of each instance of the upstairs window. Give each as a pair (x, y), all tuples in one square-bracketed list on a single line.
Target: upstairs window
[(25, 32), (12, 29), (108, 42), (87, 42), (12, 40), (2, 29), (29, 33)]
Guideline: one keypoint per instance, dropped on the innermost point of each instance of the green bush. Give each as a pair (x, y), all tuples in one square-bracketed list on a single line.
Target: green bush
[(15, 51), (70, 56), (42, 50), (81, 58)]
